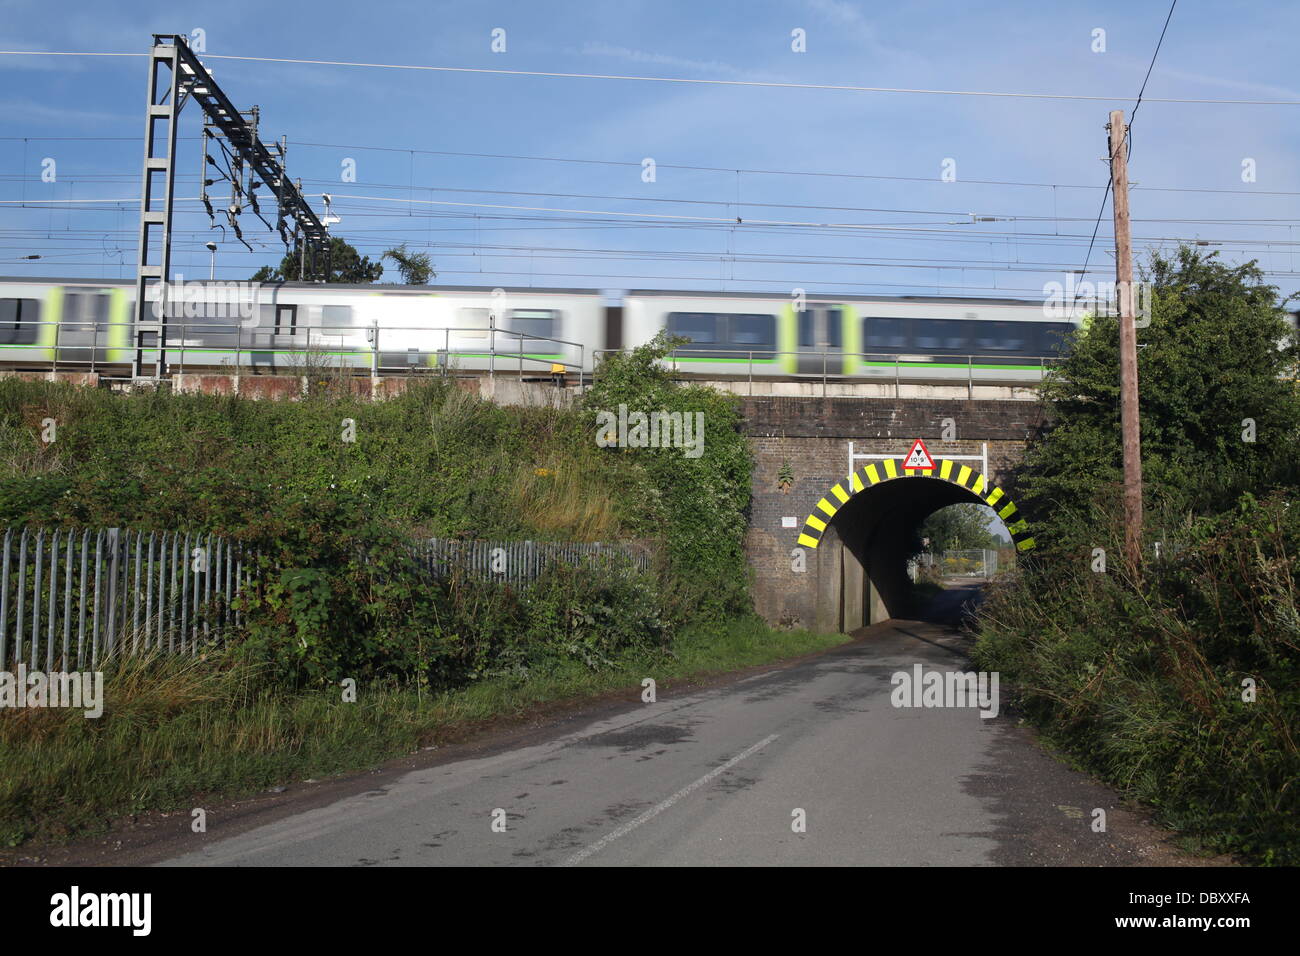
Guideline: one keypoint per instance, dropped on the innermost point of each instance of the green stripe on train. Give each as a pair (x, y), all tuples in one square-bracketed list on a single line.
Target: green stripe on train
[(852, 338), (119, 321), (786, 337), (362, 352), (48, 336), (943, 365)]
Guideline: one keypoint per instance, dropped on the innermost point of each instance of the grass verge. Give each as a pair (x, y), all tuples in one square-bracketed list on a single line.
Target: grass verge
[(175, 732)]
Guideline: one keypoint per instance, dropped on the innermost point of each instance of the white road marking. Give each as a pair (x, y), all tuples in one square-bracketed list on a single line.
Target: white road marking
[(659, 808)]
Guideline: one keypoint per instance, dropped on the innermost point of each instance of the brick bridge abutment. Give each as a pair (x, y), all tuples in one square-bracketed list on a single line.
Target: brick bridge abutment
[(855, 571)]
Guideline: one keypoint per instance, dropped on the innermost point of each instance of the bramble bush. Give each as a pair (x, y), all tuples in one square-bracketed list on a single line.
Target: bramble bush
[(339, 592), (338, 600), (698, 506), (1139, 676), (1144, 684)]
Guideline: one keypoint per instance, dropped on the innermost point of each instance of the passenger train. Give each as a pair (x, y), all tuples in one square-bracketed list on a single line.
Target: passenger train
[(83, 324)]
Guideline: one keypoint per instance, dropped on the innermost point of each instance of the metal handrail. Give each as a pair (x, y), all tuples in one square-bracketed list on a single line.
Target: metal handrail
[(287, 342), (310, 336), (897, 359)]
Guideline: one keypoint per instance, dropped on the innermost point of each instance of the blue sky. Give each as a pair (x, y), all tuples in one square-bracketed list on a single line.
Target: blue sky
[(620, 232)]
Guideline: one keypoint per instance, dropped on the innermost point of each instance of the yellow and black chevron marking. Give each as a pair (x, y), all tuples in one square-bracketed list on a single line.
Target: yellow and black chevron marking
[(889, 469)]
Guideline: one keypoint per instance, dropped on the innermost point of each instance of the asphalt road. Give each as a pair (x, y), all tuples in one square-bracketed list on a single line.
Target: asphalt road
[(718, 777)]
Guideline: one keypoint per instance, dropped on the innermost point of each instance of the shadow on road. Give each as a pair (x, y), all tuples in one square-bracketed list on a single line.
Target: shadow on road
[(955, 605)]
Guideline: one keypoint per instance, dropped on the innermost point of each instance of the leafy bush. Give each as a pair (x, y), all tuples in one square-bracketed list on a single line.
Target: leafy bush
[(1138, 673), (1145, 685), (339, 592), (699, 506)]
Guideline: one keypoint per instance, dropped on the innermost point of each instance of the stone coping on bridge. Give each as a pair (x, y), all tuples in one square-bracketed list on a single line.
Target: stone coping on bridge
[(907, 391), (502, 390), (858, 414), (89, 379)]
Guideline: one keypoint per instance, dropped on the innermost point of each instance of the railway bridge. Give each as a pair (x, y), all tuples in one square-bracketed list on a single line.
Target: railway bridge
[(829, 534), (828, 537)]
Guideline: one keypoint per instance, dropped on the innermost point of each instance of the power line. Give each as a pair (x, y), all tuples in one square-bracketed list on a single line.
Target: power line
[(1151, 66), (1122, 138), (763, 84), (681, 166), (721, 220)]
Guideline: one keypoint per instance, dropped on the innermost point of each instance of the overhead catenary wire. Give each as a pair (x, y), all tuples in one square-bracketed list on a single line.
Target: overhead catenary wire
[(131, 177), (763, 84), (1123, 137)]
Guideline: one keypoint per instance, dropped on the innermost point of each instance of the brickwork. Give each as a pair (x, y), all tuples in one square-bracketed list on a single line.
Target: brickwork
[(809, 438)]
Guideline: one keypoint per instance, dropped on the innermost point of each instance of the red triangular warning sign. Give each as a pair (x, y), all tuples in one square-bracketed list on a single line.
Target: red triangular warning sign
[(918, 458)]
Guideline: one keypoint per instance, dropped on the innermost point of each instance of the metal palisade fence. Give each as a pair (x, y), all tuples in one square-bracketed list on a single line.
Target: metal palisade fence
[(69, 599), (519, 562)]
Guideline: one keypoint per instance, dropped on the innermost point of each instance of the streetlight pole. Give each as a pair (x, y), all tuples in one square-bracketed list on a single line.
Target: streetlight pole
[(212, 266)]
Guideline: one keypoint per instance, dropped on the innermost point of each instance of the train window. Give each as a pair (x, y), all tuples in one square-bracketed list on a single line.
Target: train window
[(807, 332), (884, 333), (538, 322), (18, 318), (940, 334), (759, 330), (336, 318), (472, 323), (286, 319), (700, 327), (835, 328), (999, 336), (1053, 337)]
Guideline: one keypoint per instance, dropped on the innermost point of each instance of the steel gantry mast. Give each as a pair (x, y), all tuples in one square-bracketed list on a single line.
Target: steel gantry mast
[(175, 75)]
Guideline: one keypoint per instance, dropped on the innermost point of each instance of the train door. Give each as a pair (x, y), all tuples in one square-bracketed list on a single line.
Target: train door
[(84, 334), (820, 339)]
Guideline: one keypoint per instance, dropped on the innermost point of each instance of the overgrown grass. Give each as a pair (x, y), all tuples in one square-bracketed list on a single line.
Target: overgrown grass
[(434, 461), (329, 492), (1181, 689), (177, 732)]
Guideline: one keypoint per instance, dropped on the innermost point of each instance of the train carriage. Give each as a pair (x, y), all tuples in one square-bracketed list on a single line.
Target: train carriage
[(916, 338), (75, 324)]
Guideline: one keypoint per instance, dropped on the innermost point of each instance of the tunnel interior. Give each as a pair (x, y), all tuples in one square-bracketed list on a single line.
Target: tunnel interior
[(877, 526)]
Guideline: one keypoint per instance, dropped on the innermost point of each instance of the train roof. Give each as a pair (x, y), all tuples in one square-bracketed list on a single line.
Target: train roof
[(384, 287), (400, 289), (835, 297)]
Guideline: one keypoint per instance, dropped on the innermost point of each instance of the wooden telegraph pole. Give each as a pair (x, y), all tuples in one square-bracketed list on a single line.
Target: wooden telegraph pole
[(1129, 425)]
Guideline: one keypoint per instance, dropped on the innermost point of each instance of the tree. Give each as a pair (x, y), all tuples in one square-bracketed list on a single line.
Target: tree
[(1136, 672), (959, 527), (416, 267), (697, 505), (1219, 416), (346, 266)]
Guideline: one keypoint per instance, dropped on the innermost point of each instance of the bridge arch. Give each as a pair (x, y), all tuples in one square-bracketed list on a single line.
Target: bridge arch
[(945, 469), (872, 514)]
